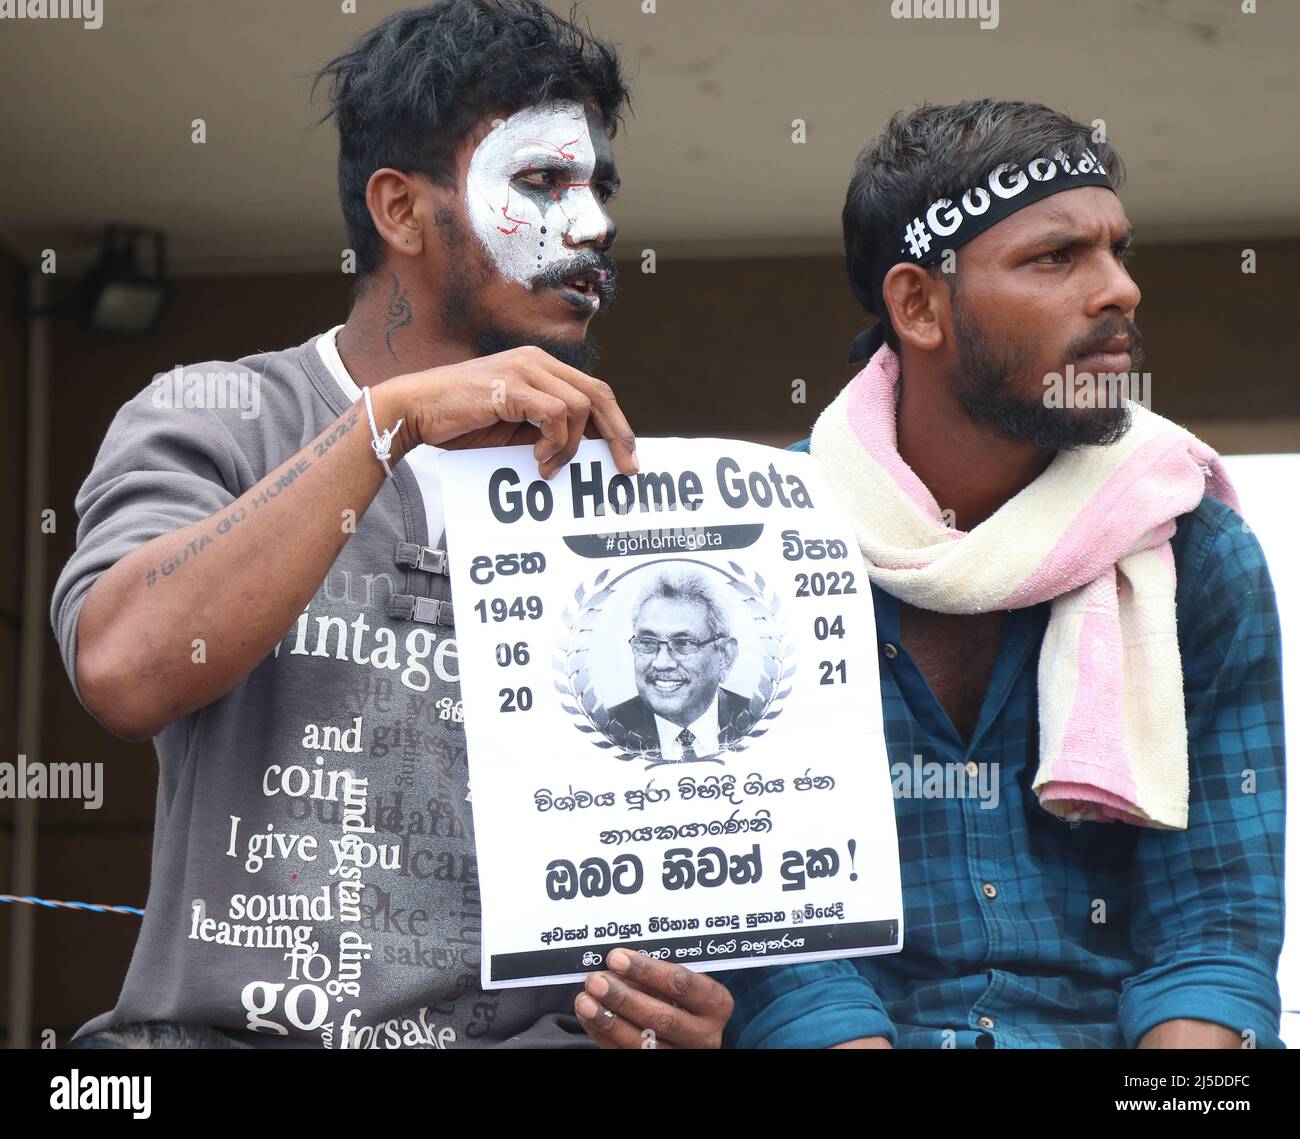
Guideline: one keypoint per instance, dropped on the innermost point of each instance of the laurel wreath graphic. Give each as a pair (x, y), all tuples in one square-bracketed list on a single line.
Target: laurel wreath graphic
[(573, 680)]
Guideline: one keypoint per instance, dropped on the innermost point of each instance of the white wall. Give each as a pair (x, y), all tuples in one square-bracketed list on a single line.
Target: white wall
[(1267, 486)]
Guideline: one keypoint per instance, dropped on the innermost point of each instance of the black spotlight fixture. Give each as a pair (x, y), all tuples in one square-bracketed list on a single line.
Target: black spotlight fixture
[(126, 290)]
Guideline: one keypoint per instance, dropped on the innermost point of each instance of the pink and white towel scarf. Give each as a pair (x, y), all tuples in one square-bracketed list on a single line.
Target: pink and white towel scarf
[(1090, 534)]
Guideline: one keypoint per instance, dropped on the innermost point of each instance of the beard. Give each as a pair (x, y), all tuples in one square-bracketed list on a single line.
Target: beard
[(986, 392), (580, 354), (462, 317)]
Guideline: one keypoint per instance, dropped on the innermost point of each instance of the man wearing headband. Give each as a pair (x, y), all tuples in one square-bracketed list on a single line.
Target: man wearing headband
[(1071, 614)]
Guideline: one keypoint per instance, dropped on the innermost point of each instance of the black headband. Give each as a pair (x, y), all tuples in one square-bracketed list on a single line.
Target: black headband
[(945, 225)]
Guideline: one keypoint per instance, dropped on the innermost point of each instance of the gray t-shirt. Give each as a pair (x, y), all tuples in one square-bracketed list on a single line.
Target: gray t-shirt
[(314, 880)]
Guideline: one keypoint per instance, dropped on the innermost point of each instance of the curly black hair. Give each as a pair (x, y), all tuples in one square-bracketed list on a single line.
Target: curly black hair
[(410, 90)]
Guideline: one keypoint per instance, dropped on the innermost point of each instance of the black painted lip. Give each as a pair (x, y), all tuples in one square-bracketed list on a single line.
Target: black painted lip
[(578, 298)]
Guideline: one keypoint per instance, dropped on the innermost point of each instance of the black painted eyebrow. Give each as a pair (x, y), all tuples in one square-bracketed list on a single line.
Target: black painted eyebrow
[(544, 161), (604, 173)]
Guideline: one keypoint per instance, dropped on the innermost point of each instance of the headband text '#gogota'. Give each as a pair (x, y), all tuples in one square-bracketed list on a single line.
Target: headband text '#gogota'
[(947, 225)]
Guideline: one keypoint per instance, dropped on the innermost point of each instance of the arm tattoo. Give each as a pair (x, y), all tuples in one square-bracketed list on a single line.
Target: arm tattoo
[(272, 490), (337, 434), (398, 312)]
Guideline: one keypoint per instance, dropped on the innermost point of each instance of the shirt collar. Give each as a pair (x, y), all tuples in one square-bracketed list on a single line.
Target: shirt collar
[(327, 348), (705, 731)]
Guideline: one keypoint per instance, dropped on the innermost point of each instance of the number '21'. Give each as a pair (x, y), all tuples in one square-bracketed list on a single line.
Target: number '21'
[(829, 672)]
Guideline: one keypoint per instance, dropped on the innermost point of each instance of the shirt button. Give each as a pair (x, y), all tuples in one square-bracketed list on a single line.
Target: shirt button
[(973, 769), (990, 890), (891, 651), (986, 1022)]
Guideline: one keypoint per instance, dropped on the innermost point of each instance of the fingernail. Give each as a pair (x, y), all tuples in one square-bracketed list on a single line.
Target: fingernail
[(587, 1007), (635, 461), (619, 960), (597, 985)]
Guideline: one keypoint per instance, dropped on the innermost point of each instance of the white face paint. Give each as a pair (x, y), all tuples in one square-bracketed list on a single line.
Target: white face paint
[(529, 186)]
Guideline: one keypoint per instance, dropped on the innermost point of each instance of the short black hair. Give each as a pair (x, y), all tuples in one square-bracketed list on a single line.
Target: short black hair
[(152, 1034), (936, 151), (410, 90)]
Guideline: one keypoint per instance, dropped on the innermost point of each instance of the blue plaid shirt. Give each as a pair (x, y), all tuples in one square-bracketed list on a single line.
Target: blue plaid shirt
[(1096, 932)]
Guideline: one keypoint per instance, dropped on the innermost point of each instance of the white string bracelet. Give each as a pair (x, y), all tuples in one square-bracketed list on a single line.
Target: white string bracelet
[(382, 443)]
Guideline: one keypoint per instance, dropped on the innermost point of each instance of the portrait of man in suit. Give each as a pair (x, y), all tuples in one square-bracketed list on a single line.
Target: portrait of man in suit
[(682, 651)]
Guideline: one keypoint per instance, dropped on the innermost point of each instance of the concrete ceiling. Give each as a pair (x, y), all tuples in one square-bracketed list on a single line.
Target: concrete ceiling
[(1201, 99)]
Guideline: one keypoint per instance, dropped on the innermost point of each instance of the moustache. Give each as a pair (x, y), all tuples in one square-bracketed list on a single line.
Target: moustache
[(1095, 341), (589, 261)]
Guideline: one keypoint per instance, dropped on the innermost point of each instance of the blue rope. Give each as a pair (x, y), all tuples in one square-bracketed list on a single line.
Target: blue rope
[(72, 905)]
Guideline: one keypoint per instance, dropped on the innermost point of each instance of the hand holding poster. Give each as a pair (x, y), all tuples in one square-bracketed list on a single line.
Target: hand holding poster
[(672, 710)]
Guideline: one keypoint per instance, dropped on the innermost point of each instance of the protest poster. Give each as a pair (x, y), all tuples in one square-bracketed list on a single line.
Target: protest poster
[(672, 711)]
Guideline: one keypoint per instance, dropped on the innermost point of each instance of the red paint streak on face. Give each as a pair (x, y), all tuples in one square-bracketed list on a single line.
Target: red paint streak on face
[(518, 221), (555, 197), (561, 149)]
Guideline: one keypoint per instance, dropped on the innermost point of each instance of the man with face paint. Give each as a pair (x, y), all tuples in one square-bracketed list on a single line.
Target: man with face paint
[(1068, 605), (267, 597), (546, 173)]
